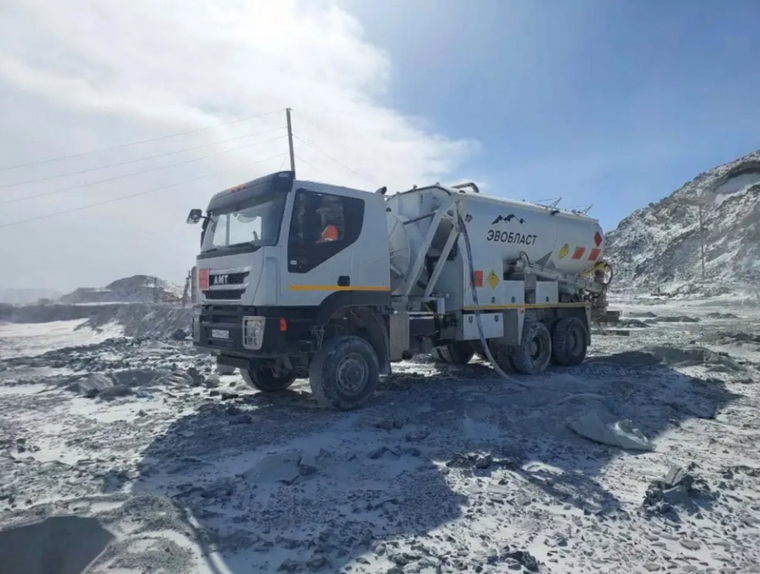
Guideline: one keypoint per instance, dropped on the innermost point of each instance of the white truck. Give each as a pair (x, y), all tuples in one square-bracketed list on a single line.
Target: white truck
[(303, 279)]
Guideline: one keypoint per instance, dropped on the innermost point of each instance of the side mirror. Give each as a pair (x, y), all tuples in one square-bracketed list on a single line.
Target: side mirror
[(195, 216)]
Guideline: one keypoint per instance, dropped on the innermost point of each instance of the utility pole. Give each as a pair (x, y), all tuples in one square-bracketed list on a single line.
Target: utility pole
[(702, 239), (290, 142)]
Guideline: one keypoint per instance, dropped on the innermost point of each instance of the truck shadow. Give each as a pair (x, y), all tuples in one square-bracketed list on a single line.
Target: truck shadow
[(274, 483)]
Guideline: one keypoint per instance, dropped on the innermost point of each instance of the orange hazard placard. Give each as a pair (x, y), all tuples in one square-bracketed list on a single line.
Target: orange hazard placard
[(579, 251), (594, 254), (478, 278)]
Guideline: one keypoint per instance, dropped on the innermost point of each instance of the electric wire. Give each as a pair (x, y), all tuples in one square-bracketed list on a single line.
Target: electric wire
[(333, 158), (118, 177), (130, 144), (131, 195), (139, 159)]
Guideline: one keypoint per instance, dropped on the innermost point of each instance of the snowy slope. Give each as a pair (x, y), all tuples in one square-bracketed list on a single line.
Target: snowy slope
[(659, 246), (135, 289)]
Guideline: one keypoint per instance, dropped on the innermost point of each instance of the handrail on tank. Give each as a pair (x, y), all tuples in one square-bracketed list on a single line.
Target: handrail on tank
[(470, 184)]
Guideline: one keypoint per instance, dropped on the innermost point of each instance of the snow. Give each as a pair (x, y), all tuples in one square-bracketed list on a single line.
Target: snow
[(447, 469), (33, 339)]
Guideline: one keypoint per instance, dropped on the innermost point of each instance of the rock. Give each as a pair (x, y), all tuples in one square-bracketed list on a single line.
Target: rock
[(179, 378), (690, 544), (196, 379), (388, 424), (652, 566), (525, 558), (417, 435), (382, 451), (225, 369), (679, 489), (226, 396), (484, 461), (280, 467), (241, 419), (317, 563), (211, 382), (91, 385), (114, 392), (179, 335), (290, 565)]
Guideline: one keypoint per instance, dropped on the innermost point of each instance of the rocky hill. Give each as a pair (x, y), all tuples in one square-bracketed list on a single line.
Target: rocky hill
[(659, 247), (135, 289)]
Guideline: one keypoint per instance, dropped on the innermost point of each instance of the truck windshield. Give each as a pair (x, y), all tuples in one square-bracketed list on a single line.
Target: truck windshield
[(256, 223)]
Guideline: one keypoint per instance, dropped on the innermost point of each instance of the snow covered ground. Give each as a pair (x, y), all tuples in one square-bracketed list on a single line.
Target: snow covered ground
[(163, 466), (30, 339)]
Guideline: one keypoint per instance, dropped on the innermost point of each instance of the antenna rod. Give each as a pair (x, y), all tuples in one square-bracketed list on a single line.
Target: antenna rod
[(290, 143)]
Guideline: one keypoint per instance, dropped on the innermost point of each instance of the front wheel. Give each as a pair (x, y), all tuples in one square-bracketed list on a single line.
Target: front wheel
[(265, 379), (533, 353), (344, 373)]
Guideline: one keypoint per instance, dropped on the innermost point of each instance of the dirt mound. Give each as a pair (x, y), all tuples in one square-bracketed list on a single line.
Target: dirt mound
[(60, 544), (690, 356)]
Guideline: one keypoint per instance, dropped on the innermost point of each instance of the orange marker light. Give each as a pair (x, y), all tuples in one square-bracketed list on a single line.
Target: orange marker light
[(283, 325)]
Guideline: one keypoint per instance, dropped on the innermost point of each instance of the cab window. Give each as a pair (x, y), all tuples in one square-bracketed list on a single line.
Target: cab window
[(322, 226)]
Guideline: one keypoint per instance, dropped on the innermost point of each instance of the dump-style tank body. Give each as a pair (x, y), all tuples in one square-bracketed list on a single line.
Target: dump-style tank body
[(551, 238)]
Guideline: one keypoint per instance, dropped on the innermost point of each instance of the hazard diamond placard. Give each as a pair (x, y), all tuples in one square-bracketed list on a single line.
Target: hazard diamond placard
[(493, 279)]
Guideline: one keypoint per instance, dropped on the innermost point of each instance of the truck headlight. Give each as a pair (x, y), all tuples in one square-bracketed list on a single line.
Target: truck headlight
[(253, 332)]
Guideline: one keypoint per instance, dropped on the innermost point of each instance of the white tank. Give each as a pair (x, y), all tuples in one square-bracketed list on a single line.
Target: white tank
[(551, 238)]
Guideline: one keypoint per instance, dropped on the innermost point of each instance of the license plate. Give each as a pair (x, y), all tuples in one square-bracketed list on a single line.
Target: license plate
[(220, 334)]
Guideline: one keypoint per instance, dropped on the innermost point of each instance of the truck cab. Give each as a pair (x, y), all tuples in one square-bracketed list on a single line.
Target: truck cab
[(284, 264)]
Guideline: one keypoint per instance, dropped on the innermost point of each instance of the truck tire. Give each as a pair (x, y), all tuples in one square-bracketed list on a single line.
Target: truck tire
[(344, 373), (534, 352), (570, 341), (264, 379), (502, 355), (458, 353)]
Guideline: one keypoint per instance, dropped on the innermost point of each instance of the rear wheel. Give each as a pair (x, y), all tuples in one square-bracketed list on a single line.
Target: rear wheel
[(533, 353), (266, 379), (459, 353), (569, 341), (344, 373)]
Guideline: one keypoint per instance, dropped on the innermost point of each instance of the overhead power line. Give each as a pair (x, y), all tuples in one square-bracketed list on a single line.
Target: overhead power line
[(130, 144), (131, 195), (137, 160), (123, 176), (333, 158)]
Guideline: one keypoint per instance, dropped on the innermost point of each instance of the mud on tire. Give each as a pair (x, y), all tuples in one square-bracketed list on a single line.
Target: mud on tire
[(344, 373), (570, 340)]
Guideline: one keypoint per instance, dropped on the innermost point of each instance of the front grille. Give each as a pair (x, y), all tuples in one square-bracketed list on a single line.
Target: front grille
[(223, 294)]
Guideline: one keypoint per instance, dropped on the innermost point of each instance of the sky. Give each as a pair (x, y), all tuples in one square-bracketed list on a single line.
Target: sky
[(118, 117)]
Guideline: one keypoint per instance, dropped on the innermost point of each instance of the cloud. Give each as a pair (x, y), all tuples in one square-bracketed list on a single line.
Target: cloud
[(86, 75)]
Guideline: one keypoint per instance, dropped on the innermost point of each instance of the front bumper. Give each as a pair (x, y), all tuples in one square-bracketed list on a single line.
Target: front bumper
[(214, 320)]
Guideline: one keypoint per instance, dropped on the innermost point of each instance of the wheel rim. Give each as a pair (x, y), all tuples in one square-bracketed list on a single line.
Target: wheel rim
[(352, 374)]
